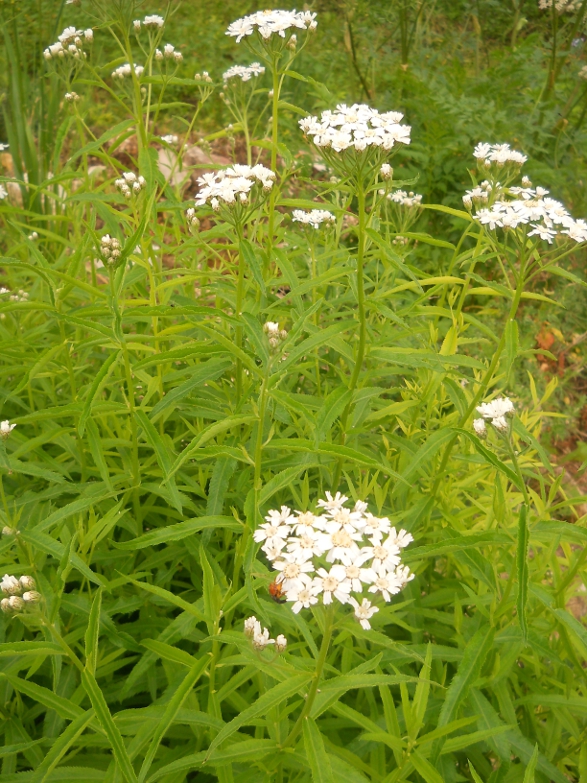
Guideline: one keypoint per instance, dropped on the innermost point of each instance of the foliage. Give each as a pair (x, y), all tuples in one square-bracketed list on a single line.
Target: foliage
[(157, 422)]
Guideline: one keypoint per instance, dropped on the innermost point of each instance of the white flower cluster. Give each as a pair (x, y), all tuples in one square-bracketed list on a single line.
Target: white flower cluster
[(479, 194), (547, 217), (126, 70), (153, 20), (386, 172), (170, 138), (357, 127), (110, 248), (271, 22), (203, 77), (583, 72), (314, 218), (244, 72), (500, 154), (71, 97), (69, 44), (274, 333), (335, 554), (235, 182), (129, 183), (5, 426), (260, 636), (405, 199), (19, 593), (560, 6), (496, 412), (168, 53)]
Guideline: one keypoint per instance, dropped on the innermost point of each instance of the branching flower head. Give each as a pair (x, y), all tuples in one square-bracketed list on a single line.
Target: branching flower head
[(126, 70), (234, 188), (244, 73), (260, 638), (69, 45), (335, 556), (350, 137), (271, 23), (314, 218), (497, 412), (508, 208)]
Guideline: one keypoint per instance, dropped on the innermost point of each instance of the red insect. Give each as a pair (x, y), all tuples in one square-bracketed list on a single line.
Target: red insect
[(276, 592)]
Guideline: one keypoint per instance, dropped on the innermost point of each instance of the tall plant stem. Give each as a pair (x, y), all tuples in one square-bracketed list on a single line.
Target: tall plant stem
[(274, 143), (362, 323), (322, 654), (484, 385), (240, 287)]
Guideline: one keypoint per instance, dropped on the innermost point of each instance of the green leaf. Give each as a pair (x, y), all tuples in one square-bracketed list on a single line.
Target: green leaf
[(168, 652), (427, 451), (202, 373), (272, 698), (331, 409), (162, 453), (511, 345), (253, 262), (474, 774), (93, 633), (61, 745), (181, 530), (469, 670), (490, 457), (221, 475), (29, 648), (169, 596), (100, 706), (246, 751), (316, 753), (531, 767), (173, 706), (65, 708), (424, 768), (55, 548), (96, 389), (522, 570)]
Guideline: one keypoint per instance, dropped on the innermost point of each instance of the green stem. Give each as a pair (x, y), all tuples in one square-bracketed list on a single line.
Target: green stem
[(240, 286), (326, 637), (484, 385), (362, 323), (274, 142)]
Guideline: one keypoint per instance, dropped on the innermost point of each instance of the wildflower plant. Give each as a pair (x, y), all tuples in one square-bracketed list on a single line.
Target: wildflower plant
[(194, 346)]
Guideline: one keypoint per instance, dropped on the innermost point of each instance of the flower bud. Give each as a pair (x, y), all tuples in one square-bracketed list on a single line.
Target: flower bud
[(31, 597), (5, 605), (280, 643), (10, 585), (16, 603), (27, 582)]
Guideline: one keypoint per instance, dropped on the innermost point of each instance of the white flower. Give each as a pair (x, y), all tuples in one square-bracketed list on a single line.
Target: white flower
[(547, 234), (359, 576), (126, 70), (357, 127), (223, 186), (403, 575), (3, 192), (292, 569), (375, 527), (261, 639), (314, 218), (5, 605), (252, 626), (271, 22), (386, 583), (341, 545), (333, 503), (332, 583), (386, 172), (384, 555), (243, 72), (271, 532), (401, 539), (302, 596), (306, 521), (479, 427), (281, 517), (404, 199), (364, 611), (31, 597), (153, 20), (6, 427), (310, 544), (280, 643), (10, 585), (8, 531), (498, 408)]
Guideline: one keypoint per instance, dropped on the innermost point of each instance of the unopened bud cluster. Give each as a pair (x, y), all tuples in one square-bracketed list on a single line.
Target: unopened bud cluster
[(203, 77), (71, 97), (191, 218), (69, 44), (151, 22), (386, 172), (19, 593), (110, 249), (275, 334), (260, 638), (168, 53), (129, 183)]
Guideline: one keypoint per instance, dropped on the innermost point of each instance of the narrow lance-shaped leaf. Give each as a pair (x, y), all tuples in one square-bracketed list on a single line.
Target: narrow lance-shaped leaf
[(522, 569)]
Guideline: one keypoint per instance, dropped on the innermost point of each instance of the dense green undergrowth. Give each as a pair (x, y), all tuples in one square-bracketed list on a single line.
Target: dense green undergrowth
[(175, 372)]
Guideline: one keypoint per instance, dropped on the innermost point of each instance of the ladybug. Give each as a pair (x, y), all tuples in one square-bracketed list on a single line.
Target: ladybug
[(276, 592)]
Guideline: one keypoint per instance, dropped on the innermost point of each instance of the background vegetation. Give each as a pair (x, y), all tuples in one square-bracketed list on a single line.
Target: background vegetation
[(135, 469)]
